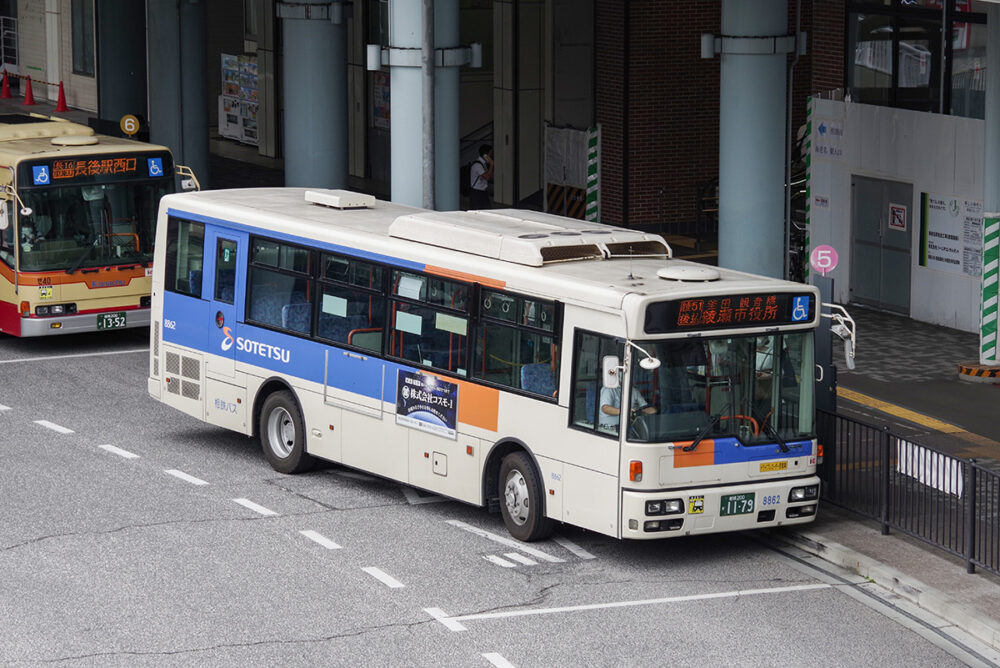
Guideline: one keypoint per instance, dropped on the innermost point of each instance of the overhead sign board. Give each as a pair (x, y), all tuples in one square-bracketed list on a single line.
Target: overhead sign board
[(729, 312)]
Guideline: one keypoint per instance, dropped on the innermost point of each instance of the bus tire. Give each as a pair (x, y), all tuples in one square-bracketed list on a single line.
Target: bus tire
[(283, 434), (521, 499)]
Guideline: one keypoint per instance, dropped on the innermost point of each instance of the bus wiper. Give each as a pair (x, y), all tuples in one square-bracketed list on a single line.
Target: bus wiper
[(82, 258), (703, 433), (773, 433)]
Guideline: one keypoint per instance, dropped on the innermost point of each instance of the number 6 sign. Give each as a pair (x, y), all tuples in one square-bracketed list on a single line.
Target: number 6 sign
[(823, 259)]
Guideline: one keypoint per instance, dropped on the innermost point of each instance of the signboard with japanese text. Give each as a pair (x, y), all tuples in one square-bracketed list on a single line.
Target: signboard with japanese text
[(89, 169), (729, 312), (951, 234), (427, 403)]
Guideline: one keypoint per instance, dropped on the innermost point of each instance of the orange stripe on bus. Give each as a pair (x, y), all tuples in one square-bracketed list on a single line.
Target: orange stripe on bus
[(462, 276), (703, 455)]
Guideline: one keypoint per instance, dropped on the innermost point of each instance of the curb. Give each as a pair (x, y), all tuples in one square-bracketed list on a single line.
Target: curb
[(979, 373), (911, 589)]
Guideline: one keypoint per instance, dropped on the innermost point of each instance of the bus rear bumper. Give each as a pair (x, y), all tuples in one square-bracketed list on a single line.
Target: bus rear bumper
[(75, 324), (751, 506)]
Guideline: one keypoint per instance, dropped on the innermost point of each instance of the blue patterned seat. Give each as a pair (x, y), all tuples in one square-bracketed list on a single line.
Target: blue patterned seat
[(539, 379), (296, 316)]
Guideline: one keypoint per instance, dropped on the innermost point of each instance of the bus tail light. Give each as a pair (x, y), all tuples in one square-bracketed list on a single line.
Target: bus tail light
[(25, 309), (635, 471)]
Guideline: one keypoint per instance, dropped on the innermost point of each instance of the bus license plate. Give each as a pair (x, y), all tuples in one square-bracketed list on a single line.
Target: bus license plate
[(737, 504), (111, 320), (766, 467)]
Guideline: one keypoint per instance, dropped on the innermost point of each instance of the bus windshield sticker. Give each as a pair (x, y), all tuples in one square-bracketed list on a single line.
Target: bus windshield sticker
[(427, 403), (408, 322), (334, 305), (451, 323)]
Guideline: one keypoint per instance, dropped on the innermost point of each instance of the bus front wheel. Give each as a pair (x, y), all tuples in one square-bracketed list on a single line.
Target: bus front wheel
[(283, 434), (521, 499)]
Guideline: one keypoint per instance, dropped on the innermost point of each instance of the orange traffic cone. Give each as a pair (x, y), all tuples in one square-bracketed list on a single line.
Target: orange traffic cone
[(5, 89), (29, 98), (61, 103)]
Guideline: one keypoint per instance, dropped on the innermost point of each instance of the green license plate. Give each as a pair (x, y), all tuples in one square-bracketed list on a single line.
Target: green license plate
[(737, 504), (111, 320)]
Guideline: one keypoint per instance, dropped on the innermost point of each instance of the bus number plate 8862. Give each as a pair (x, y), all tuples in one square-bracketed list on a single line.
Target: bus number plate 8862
[(737, 504), (111, 320)]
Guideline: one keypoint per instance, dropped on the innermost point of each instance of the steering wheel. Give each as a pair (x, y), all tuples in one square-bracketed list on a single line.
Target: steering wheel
[(637, 426), (744, 418)]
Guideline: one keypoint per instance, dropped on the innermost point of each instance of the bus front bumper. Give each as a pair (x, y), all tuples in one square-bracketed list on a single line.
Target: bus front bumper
[(85, 322), (702, 510)]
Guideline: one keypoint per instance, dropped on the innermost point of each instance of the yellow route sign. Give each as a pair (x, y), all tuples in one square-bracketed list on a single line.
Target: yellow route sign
[(129, 124)]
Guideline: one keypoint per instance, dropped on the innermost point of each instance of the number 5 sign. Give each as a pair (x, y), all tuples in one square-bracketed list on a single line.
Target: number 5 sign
[(823, 259)]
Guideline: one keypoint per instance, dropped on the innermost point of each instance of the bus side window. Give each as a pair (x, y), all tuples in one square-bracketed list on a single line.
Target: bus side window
[(7, 238), (185, 257), (588, 351)]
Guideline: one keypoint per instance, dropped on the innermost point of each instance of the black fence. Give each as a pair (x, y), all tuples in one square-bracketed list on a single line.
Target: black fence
[(943, 500)]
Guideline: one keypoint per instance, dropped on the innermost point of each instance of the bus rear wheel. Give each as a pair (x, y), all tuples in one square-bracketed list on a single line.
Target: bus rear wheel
[(283, 434), (521, 499)]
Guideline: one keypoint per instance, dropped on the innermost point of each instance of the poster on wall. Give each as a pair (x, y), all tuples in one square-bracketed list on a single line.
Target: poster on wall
[(951, 234), (827, 139), (427, 403), (380, 100), (897, 217)]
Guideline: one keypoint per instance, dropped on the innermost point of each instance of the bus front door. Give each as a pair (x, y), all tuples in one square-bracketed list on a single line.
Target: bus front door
[(222, 297)]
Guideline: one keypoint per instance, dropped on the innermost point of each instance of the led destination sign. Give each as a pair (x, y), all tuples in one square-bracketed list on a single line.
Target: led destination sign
[(729, 312), (96, 169)]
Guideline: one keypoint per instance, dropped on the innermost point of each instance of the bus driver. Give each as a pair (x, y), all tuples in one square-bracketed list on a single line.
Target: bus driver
[(611, 401)]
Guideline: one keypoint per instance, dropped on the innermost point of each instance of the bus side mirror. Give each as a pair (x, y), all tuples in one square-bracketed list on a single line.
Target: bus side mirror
[(610, 367), (4, 223)]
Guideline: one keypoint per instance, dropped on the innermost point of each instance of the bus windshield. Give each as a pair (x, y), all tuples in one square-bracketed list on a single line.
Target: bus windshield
[(73, 227), (756, 388)]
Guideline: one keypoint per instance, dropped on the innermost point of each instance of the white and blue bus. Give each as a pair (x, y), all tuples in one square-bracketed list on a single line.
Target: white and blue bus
[(486, 355)]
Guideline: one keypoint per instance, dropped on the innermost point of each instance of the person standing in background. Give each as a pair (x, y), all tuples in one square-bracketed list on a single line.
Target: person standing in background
[(480, 175)]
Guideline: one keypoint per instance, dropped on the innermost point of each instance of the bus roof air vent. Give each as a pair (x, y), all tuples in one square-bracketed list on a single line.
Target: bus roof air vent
[(340, 199), (689, 274), (74, 140)]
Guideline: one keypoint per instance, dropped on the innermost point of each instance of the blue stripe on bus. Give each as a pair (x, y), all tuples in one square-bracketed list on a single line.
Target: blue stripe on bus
[(337, 248), (731, 451)]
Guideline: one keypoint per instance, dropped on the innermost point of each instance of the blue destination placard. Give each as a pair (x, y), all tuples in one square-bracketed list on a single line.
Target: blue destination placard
[(427, 403)]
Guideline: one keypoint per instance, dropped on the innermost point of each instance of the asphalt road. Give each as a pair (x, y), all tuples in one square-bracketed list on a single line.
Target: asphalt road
[(132, 534)]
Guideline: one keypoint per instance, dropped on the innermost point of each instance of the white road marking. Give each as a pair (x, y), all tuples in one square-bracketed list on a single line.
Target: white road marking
[(383, 577), (497, 660), (573, 547), (118, 451), (246, 503), (509, 542), (53, 426), (450, 621), (4, 408), (185, 477), (520, 558), (414, 498), (320, 538), (499, 561), (63, 357)]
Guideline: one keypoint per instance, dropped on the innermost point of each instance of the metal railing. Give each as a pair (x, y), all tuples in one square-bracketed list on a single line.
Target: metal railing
[(943, 500)]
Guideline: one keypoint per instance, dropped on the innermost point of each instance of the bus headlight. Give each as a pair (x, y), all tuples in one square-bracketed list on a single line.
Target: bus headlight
[(665, 507), (55, 309), (803, 493)]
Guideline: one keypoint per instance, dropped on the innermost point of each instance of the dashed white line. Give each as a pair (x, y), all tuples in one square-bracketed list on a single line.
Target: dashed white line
[(53, 426), (118, 451), (538, 554), (383, 577), (4, 408), (497, 660), (499, 561), (320, 538), (451, 622), (247, 503), (188, 478), (573, 547), (520, 558)]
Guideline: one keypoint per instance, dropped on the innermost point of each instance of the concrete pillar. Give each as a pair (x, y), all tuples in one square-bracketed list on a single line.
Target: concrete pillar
[(121, 59), (406, 108), (989, 346), (315, 98), (178, 111), (752, 142)]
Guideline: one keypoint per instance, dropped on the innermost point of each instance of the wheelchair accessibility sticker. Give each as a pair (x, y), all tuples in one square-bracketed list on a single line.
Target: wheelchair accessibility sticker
[(800, 308), (40, 175), (155, 166)]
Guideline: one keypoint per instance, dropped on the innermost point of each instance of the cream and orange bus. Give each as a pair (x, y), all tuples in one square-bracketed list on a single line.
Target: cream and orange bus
[(487, 356), (77, 218)]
